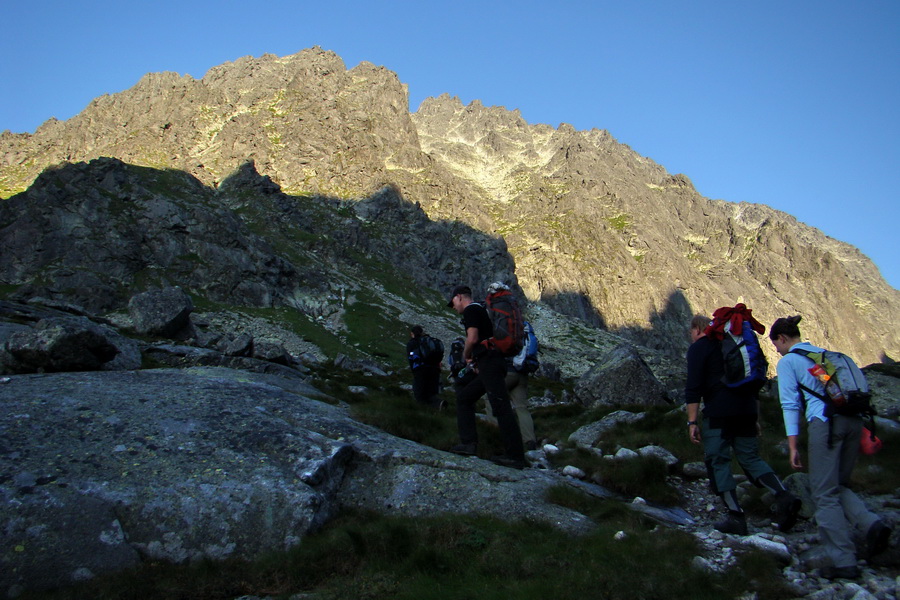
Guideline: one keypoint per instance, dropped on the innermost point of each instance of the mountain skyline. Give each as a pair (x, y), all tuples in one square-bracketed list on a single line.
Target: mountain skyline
[(792, 107)]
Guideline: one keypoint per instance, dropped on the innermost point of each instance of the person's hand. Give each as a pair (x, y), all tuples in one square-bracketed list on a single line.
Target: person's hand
[(796, 463), (695, 434)]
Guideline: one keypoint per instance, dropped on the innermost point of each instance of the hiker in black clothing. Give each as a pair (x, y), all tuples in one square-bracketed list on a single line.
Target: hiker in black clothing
[(728, 426), (425, 371), (490, 366)]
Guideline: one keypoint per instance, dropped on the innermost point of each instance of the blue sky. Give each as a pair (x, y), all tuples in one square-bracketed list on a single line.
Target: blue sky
[(792, 104)]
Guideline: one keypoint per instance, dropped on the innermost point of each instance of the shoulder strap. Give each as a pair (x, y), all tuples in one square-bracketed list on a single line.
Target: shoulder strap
[(805, 353), (821, 397)]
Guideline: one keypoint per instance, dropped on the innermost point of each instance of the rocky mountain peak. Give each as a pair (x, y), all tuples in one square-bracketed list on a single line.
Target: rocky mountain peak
[(596, 231)]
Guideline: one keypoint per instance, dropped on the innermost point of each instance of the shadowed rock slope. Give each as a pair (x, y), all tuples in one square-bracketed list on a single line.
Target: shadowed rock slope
[(596, 230), (352, 277)]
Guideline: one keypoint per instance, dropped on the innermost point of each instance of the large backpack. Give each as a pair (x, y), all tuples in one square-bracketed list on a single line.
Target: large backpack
[(431, 349), (745, 364), (526, 361), (846, 387), (506, 317)]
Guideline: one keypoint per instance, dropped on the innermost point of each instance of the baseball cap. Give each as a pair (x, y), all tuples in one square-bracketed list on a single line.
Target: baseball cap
[(460, 289)]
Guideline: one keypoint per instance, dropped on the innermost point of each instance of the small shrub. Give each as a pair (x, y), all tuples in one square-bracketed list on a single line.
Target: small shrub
[(619, 222)]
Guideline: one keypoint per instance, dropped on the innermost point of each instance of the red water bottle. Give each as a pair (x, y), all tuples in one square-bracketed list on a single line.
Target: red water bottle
[(834, 392), (818, 371), (831, 387)]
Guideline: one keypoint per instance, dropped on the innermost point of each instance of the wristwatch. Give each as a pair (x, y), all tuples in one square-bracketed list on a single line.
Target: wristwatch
[(691, 423)]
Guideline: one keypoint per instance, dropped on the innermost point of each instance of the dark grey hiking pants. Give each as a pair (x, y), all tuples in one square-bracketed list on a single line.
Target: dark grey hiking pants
[(491, 380), (839, 511)]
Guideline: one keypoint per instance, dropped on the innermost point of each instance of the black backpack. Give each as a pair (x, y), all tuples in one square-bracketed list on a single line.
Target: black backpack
[(431, 350), (456, 355), (460, 374)]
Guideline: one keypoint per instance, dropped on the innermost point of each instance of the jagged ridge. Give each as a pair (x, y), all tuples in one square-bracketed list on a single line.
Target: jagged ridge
[(597, 231)]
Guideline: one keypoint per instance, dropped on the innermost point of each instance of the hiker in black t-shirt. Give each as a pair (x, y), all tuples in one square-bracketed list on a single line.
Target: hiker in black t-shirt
[(425, 371), (490, 366)]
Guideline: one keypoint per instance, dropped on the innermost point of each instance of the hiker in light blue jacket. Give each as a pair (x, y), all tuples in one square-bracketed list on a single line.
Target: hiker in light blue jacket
[(832, 451)]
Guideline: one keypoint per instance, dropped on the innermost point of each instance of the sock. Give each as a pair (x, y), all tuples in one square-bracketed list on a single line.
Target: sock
[(774, 485), (731, 501)]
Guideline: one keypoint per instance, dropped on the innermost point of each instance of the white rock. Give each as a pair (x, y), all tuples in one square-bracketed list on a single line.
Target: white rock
[(659, 452), (573, 471), (625, 454), (620, 535), (777, 549), (550, 449)]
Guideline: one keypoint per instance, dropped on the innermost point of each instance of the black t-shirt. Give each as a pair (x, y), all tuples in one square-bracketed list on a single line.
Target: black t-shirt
[(475, 315), (705, 370)]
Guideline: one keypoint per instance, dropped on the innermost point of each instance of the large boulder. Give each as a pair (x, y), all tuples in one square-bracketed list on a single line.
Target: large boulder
[(102, 470), (68, 344), (271, 352), (163, 312), (620, 378), (589, 435)]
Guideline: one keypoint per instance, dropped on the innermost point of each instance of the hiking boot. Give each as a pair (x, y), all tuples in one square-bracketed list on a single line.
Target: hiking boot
[(787, 507), (465, 449), (506, 461), (851, 572), (877, 538), (734, 522)]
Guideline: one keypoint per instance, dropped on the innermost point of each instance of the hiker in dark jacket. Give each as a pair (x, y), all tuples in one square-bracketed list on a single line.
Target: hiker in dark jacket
[(832, 450), (729, 426), (426, 372)]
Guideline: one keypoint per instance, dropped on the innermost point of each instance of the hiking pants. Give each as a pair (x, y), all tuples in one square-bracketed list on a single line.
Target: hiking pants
[(491, 380), (718, 453), (517, 384), (838, 509), (426, 384)]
